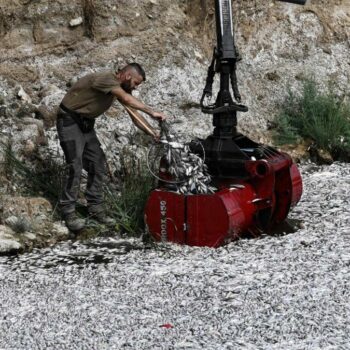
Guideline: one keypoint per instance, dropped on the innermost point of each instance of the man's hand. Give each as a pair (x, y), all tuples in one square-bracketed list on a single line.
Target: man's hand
[(132, 102), (159, 116)]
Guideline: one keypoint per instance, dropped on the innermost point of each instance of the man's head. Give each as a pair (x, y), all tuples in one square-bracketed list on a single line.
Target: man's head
[(131, 76)]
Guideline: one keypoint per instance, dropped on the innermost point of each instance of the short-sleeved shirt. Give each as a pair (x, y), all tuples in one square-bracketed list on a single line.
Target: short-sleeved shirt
[(91, 95)]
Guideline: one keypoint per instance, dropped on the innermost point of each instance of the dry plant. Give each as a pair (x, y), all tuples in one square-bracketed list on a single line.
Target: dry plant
[(127, 204), (89, 13), (202, 22)]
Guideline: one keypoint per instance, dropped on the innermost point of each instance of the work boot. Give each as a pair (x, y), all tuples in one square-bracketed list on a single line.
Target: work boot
[(102, 218), (73, 222)]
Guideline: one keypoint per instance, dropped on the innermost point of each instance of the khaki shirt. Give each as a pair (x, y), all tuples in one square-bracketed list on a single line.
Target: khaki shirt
[(91, 95)]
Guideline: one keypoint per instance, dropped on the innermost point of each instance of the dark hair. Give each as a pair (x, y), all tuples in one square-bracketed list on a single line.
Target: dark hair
[(138, 69)]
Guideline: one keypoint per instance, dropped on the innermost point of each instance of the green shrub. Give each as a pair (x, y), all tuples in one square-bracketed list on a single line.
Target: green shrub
[(43, 178), (322, 118), (20, 225), (8, 164), (127, 205)]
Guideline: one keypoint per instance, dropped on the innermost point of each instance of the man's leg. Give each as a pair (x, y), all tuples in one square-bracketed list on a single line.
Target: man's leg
[(72, 141), (94, 161)]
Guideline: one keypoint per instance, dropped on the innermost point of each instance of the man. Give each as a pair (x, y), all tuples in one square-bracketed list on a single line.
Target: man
[(88, 98)]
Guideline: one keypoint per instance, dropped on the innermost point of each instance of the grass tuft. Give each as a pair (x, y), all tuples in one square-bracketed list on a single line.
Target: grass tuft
[(320, 117), (127, 205), (89, 12), (44, 178), (21, 225)]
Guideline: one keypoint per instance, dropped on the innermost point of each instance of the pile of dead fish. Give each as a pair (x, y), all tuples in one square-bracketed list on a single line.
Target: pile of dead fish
[(188, 170), (284, 291)]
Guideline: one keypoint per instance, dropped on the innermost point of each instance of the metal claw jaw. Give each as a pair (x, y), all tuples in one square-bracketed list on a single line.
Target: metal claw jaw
[(206, 100), (298, 2), (235, 107)]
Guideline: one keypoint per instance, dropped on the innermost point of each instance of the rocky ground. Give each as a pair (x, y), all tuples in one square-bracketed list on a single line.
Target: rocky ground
[(276, 292)]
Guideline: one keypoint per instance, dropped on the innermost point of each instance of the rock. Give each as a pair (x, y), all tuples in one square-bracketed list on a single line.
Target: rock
[(53, 99), (198, 55), (26, 135), (40, 220), (48, 90), (29, 148), (272, 76), (320, 156), (9, 244), (25, 110), (23, 95), (59, 230), (40, 139), (298, 152), (48, 115), (23, 207), (48, 106), (37, 122), (30, 235), (76, 22), (38, 32)]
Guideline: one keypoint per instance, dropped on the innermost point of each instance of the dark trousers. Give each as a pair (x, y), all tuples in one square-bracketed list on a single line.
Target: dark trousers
[(82, 150)]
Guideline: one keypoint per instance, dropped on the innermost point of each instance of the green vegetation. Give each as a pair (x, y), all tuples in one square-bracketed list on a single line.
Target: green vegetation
[(320, 118), (127, 206), (44, 179), (8, 164), (21, 225)]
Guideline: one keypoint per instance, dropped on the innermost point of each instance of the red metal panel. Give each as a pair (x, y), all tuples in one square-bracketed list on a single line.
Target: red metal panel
[(283, 196), (207, 221), (214, 220), (165, 216), (200, 220), (297, 185), (240, 208)]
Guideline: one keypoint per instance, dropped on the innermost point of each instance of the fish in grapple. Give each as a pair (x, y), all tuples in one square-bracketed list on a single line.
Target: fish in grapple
[(187, 171)]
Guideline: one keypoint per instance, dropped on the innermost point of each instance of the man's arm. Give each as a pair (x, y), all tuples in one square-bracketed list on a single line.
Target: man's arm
[(130, 101), (142, 123)]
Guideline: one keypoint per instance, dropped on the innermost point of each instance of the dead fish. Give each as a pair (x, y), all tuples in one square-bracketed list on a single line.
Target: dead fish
[(185, 165), (175, 145)]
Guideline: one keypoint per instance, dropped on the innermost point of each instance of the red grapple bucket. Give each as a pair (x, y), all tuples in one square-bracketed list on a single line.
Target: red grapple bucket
[(212, 220)]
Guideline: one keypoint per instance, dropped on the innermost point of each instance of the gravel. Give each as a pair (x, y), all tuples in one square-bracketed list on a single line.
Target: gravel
[(288, 291)]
